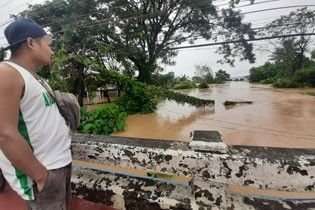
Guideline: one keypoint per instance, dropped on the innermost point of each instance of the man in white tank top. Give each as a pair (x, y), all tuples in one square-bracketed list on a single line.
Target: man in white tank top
[(35, 156)]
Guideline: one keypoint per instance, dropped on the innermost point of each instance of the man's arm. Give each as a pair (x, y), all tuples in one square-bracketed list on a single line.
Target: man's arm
[(12, 143)]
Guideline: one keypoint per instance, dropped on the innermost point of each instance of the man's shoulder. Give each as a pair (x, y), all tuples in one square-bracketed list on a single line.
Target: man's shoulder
[(5, 68), (8, 74)]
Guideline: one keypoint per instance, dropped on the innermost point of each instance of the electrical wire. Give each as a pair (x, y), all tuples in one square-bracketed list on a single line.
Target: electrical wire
[(242, 40), (277, 8), (119, 7), (6, 3), (132, 17)]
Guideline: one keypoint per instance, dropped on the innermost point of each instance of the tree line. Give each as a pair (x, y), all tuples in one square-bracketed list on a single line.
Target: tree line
[(290, 64)]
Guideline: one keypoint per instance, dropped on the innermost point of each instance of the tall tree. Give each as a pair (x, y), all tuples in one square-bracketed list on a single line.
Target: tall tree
[(287, 56), (203, 73), (222, 75), (140, 33), (300, 21), (149, 28)]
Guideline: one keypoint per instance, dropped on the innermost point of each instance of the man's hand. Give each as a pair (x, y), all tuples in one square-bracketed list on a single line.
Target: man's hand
[(42, 181)]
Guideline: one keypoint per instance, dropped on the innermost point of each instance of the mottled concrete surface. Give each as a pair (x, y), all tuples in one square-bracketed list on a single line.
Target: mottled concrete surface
[(10, 200), (210, 173)]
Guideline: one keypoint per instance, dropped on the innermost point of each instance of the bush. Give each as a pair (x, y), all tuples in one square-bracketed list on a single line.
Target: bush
[(203, 85), (268, 70), (137, 99), (185, 85), (268, 81), (285, 83), (105, 120), (305, 77)]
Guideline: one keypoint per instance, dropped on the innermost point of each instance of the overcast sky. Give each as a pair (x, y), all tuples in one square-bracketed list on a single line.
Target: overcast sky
[(188, 58)]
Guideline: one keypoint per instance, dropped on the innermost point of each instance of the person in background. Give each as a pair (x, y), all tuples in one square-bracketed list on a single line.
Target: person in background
[(35, 156)]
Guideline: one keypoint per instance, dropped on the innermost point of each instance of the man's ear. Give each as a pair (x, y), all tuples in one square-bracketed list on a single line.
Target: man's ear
[(30, 42)]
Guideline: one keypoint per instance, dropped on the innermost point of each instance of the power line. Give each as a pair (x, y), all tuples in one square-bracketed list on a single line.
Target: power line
[(91, 13), (241, 40), (6, 3), (60, 20), (197, 37), (277, 8), (213, 47), (260, 2), (103, 21), (210, 44), (251, 4), (119, 7), (3, 24), (54, 4), (42, 6)]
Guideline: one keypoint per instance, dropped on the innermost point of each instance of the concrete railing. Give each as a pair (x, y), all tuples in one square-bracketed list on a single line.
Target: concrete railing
[(129, 173)]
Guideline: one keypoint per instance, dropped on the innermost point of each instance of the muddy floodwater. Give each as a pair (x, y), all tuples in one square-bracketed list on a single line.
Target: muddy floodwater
[(277, 117)]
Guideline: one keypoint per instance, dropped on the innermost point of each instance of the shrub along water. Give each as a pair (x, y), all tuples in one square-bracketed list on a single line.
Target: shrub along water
[(105, 120), (136, 97), (304, 77), (187, 84), (203, 85)]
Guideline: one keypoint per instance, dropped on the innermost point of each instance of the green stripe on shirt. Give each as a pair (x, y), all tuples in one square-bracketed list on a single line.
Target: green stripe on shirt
[(19, 174)]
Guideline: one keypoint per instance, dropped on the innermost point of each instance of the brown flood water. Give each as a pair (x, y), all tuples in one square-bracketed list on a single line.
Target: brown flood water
[(277, 117)]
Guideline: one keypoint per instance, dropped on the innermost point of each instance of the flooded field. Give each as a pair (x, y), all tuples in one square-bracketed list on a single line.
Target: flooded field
[(277, 117)]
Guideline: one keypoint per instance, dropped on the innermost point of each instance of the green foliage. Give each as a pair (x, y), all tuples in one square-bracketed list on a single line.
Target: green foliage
[(137, 99), (105, 120), (2, 55), (287, 55), (267, 71), (187, 84), (164, 80), (203, 85), (292, 50), (125, 83), (74, 43), (222, 76), (137, 34), (305, 76), (203, 74), (179, 97), (273, 74), (182, 78), (285, 83), (58, 77), (268, 81), (196, 79)]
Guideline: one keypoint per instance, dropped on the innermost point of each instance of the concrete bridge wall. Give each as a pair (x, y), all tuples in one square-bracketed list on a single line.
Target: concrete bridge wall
[(204, 179)]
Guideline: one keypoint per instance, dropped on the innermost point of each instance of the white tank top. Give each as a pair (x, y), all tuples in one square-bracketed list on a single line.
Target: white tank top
[(44, 130)]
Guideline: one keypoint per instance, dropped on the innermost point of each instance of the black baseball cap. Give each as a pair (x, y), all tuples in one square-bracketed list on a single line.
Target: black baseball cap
[(21, 29)]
